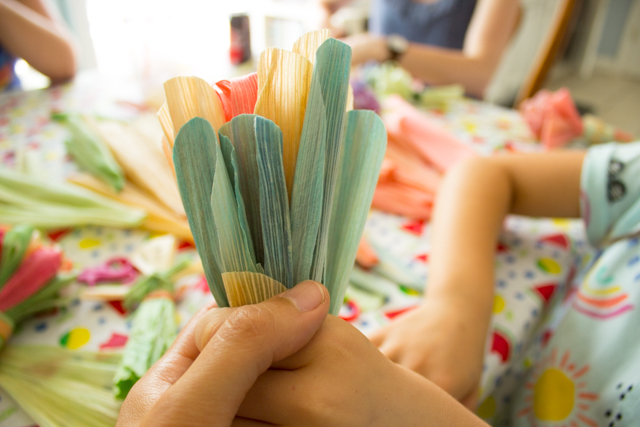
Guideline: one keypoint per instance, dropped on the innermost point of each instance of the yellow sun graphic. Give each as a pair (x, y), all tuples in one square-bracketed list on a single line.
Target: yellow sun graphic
[(557, 394)]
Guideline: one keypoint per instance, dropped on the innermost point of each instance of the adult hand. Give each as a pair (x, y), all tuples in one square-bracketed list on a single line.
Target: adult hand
[(440, 342), (205, 375), (367, 47)]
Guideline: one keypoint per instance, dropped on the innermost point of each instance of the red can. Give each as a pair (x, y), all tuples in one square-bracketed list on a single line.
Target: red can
[(240, 49)]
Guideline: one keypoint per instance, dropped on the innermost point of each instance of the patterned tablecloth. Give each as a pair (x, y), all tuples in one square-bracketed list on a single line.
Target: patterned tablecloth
[(535, 260)]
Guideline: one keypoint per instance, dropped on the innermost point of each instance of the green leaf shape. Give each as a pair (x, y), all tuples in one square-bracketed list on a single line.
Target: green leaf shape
[(14, 246), (332, 67), (153, 330), (242, 134), (194, 157), (90, 152), (308, 185), (231, 163), (364, 148), (159, 281), (274, 203), (25, 199), (235, 254)]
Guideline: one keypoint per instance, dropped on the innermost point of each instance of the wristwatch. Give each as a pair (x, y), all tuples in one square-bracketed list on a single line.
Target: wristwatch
[(397, 46)]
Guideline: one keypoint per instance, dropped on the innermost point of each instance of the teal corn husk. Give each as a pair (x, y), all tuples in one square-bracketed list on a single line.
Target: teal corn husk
[(28, 200), (153, 327), (90, 152), (58, 387), (253, 240), (14, 246)]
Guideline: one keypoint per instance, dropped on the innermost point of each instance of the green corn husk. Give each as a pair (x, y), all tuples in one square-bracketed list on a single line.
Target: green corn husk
[(153, 330), (90, 152), (14, 246), (28, 200), (253, 240), (153, 327), (59, 387)]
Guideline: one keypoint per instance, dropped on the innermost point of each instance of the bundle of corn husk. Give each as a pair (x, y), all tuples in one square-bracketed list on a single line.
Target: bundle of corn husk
[(276, 175)]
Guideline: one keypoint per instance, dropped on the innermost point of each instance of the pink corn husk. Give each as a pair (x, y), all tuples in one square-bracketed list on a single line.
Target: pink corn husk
[(238, 96), (552, 117), (403, 200), (411, 128), (366, 256), (223, 89), (34, 273)]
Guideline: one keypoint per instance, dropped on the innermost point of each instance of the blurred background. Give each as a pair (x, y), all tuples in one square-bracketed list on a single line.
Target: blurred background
[(148, 41)]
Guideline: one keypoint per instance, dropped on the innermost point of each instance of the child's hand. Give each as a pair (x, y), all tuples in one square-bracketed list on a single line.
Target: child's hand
[(341, 379), (441, 342)]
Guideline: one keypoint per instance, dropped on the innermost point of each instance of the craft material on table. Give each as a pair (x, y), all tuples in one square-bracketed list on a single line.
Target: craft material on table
[(56, 387), (554, 119)]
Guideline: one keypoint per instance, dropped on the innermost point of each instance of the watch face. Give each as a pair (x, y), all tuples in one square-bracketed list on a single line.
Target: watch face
[(397, 44)]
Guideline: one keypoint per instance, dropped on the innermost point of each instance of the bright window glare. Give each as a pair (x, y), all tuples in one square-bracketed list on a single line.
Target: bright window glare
[(152, 40)]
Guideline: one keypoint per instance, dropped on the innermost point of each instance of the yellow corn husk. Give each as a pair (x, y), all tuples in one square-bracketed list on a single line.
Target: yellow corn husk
[(308, 44), (58, 387), (250, 288), (158, 218), (284, 79), (136, 147), (189, 97), (28, 200)]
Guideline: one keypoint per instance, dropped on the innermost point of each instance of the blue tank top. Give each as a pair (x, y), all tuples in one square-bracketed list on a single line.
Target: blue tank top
[(443, 23)]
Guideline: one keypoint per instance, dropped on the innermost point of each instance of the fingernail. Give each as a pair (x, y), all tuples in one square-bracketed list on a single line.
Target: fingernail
[(306, 295)]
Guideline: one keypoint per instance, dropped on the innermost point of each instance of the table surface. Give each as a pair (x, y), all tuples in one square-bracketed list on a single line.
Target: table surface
[(534, 258)]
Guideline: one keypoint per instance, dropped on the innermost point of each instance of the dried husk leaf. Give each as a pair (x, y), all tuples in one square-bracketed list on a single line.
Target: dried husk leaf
[(283, 86), (158, 218), (250, 288), (136, 147), (189, 97)]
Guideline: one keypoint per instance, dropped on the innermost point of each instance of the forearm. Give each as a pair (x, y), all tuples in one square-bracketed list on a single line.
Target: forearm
[(412, 400), (44, 44), (471, 205), (439, 66)]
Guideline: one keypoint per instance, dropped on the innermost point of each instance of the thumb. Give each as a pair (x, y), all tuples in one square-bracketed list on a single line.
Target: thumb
[(237, 346)]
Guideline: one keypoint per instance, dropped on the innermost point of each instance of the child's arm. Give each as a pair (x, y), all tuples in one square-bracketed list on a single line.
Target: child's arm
[(444, 339), (32, 32)]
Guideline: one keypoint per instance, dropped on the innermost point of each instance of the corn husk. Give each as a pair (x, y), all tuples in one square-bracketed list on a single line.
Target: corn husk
[(15, 243), (153, 330), (159, 218), (154, 325), (58, 387), (88, 150), (136, 147), (28, 200), (262, 217)]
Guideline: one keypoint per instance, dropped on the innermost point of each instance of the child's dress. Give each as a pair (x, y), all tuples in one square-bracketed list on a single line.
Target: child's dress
[(583, 366)]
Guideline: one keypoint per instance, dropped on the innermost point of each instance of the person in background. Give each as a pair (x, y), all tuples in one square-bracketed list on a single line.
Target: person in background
[(438, 41), (32, 31)]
